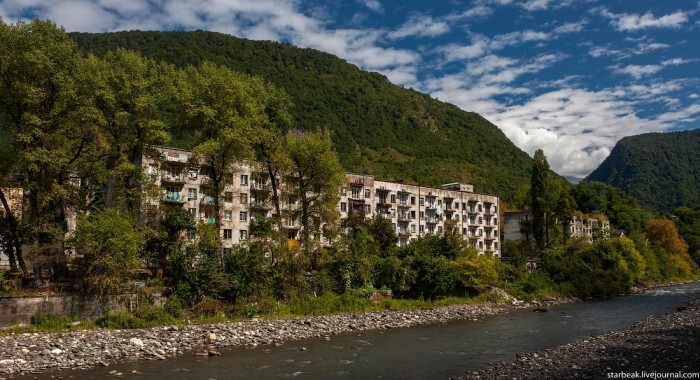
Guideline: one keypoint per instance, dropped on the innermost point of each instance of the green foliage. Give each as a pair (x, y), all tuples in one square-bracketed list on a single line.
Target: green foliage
[(109, 242), (377, 127), (539, 185), (249, 271), (661, 170), (688, 224), (315, 180), (197, 271), (623, 211), (144, 317)]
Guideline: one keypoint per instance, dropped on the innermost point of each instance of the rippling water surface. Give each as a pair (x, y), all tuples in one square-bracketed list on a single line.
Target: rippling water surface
[(435, 352)]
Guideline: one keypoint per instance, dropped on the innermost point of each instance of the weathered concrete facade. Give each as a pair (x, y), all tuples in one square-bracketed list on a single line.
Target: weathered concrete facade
[(419, 210), (517, 226), (414, 210)]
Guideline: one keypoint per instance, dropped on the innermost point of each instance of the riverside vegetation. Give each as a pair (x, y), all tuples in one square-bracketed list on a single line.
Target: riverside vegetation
[(73, 129)]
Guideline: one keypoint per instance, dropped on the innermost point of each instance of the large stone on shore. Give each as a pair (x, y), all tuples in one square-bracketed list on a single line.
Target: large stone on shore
[(136, 342)]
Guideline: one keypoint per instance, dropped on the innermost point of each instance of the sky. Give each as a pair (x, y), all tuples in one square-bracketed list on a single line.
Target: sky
[(571, 77)]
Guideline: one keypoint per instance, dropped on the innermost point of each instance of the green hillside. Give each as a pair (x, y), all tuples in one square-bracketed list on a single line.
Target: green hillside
[(661, 170), (377, 127)]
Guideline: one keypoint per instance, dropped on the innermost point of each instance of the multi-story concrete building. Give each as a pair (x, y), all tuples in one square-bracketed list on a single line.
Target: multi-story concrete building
[(416, 210), (413, 210), (517, 226)]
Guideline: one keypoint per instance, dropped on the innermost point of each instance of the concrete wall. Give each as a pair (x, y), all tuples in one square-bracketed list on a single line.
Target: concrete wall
[(21, 309)]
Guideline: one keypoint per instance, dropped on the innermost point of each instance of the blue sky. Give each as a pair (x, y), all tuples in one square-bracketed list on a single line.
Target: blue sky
[(571, 77)]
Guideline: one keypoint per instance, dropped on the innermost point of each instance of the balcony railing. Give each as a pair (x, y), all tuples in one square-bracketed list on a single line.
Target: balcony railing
[(173, 178), (174, 197), (404, 217), (207, 200)]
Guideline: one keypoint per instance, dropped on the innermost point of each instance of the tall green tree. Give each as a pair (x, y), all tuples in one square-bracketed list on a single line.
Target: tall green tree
[(44, 127), (315, 179), (109, 241), (231, 113), (129, 93), (539, 183)]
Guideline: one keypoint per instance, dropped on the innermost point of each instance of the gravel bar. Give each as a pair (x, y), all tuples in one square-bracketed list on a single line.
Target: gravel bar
[(32, 353)]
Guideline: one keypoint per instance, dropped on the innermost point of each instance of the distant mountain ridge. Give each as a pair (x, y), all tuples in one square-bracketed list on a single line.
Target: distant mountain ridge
[(377, 127), (661, 170)]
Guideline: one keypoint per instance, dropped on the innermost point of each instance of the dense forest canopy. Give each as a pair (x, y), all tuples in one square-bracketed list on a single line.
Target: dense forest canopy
[(377, 127), (661, 170)]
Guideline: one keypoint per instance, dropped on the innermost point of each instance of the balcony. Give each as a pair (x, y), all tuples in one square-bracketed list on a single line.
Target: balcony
[(173, 178), (208, 220), (207, 201), (384, 201), (170, 197), (432, 220), (404, 233), (260, 205), (259, 186), (404, 217), (403, 204), (181, 158)]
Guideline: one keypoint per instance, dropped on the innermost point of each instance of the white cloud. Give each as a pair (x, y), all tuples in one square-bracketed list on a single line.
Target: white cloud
[(536, 5), (422, 26), (570, 27), (638, 71), (694, 96), (374, 5), (634, 22), (481, 45)]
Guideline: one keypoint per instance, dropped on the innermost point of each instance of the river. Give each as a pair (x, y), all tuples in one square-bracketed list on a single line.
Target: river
[(432, 352)]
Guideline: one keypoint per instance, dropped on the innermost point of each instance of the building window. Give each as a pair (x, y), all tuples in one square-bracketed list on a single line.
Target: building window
[(422, 214), (355, 192), (367, 193), (192, 193), (243, 216), (413, 200), (421, 202), (393, 198), (243, 235), (480, 209), (228, 196), (244, 198), (368, 209), (421, 228), (227, 251), (343, 206), (228, 234), (244, 180), (464, 231), (439, 229), (413, 228), (413, 214), (227, 215)]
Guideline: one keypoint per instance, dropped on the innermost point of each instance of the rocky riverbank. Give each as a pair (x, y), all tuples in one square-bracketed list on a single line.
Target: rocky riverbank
[(31, 353), (669, 344)]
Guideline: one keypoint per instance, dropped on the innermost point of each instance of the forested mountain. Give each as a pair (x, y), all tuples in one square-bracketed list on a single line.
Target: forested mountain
[(661, 170), (377, 127)]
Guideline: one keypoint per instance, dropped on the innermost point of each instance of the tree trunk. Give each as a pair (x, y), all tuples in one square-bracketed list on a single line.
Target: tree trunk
[(111, 181), (276, 200), (15, 249)]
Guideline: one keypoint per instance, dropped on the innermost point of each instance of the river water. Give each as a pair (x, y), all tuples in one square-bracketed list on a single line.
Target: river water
[(433, 352)]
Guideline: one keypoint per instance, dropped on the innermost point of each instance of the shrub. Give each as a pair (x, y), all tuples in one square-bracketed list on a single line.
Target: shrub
[(207, 308)]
